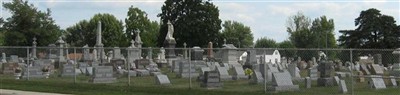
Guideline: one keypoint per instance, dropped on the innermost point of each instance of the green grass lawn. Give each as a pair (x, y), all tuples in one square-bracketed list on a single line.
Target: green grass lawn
[(147, 86)]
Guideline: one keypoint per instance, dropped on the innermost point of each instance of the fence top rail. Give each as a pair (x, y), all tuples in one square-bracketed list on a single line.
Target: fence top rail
[(320, 49)]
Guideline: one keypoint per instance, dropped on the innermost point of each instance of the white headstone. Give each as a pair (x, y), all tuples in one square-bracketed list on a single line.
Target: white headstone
[(342, 86), (238, 73), (377, 82), (223, 73)]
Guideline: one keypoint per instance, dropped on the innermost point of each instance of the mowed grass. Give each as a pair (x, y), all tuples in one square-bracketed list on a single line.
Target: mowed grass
[(147, 86)]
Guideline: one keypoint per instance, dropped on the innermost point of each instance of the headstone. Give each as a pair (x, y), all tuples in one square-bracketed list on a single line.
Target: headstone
[(211, 80), (196, 53), (131, 73), (378, 59), (187, 70), (117, 53), (256, 78), (313, 73), (89, 71), (308, 82), (162, 80), (377, 82), (3, 58), (238, 73), (395, 70), (364, 69), (342, 86), (170, 42), (103, 74), (282, 82), (251, 57), (210, 52), (393, 81), (223, 73), (67, 70), (293, 70), (142, 72), (325, 69), (34, 72), (8, 68), (13, 59), (337, 80), (376, 69), (204, 69), (86, 53)]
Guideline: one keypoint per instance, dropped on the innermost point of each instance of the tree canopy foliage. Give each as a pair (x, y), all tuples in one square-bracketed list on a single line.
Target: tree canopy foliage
[(237, 33), (265, 43), (137, 20), (374, 30), (27, 22), (196, 22), (84, 32)]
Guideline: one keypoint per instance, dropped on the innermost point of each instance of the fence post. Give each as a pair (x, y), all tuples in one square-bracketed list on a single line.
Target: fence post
[(265, 70), (351, 71), (129, 65), (190, 69), (27, 61), (76, 63)]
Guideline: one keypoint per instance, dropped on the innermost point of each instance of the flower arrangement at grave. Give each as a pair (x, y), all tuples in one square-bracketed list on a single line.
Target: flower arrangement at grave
[(17, 72)]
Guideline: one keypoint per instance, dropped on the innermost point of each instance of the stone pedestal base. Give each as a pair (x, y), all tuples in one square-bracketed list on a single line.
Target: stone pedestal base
[(325, 82)]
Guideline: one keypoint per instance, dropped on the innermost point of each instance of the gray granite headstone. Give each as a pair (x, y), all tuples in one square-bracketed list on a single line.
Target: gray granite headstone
[(313, 73), (117, 53), (34, 72), (292, 68), (238, 73), (196, 53), (377, 82), (103, 74), (211, 80), (204, 69), (325, 78), (89, 71), (14, 59), (364, 69), (186, 70), (256, 78), (342, 86), (67, 70), (162, 80), (376, 69), (337, 80), (223, 73), (282, 82)]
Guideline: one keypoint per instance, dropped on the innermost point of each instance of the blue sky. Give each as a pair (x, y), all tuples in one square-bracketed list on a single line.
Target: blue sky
[(266, 18)]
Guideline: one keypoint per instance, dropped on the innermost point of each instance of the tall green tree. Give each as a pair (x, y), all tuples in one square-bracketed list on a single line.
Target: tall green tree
[(237, 33), (84, 32), (289, 50), (196, 22), (27, 22), (265, 42), (307, 33), (137, 20), (374, 30)]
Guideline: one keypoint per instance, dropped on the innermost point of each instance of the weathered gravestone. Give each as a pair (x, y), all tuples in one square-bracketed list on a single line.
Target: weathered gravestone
[(393, 81), (282, 82), (395, 70), (377, 82), (376, 69), (223, 73), (378, 59), (337, 80), (211, 80), (293, 70), (162, 80), (3, 58), (308, 82), (8, 68), (196, 53), (364, 69), (342, 86), (238, 73), (13, 59), (142, 72), (186, 70), (33, 72), (325, 69), (67, 70), (204, 69), (103, 74), (313, 73), (256, 78)]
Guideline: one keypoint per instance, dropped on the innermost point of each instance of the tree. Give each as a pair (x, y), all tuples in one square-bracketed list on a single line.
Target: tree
[(265, 43), (26, 22), (305, 33), (237, 34), (288, 45), (137, 20), (84, 32), (196, 22), (374, 30)]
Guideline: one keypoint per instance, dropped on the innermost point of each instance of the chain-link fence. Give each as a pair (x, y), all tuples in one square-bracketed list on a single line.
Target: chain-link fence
[(185, 67)]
